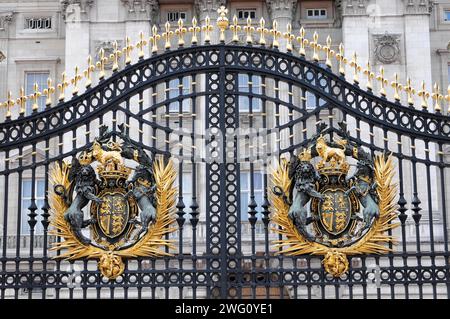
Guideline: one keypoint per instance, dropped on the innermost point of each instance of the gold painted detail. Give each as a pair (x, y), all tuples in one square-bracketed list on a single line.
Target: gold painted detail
[(335, 207), (110, 257)]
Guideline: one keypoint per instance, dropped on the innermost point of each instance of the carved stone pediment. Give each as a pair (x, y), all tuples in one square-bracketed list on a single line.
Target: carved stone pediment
[(387, 48)]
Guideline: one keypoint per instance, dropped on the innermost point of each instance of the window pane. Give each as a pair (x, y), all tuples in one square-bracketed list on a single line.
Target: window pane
[(244, 206), (26, 189), (447, 15), (243, 104), (244, 181), (258, 181), (30, 79), (40, 189)]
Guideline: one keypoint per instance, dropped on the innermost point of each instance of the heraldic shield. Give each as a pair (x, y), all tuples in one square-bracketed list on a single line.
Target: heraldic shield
[(130, 207), (322, 209)]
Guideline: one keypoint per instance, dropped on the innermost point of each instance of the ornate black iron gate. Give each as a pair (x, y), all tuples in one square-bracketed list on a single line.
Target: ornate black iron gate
[(224, 98)]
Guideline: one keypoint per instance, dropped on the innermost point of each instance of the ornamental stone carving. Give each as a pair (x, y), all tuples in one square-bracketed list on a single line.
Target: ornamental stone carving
[(208, 7), (418, 6), (77, 9), (142, 9), (2, 56), (5, 19), (387, 48), (281, 8), (353, 7), (108, 47)]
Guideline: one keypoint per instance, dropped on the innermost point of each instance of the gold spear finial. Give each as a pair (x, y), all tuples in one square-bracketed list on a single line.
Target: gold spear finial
[(316, 47), (48, 92), (9, 104), (180, 31), (155, 37), (62, 87), (76, 78), (289, 37), (383, 81), (117, 53), (207, 28), (424, 94), (194, 30), (341, 58), (303, 42), (248, 31), (167, 35), (275, 34), (222, 22), (235, 28), (21, 100), (101, 63), (369, 75), (127, 50), (328, 52), (447, 98), (356, 68), (87, 73), (141, 44), (35, 96), (437, 97), (397, 87), (262, 31), (410, 91)]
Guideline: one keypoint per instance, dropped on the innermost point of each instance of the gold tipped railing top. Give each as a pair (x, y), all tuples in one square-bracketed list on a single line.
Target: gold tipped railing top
[(260, 35)]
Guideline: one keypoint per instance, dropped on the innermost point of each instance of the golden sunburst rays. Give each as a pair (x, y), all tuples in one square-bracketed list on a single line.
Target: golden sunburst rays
[(375, 241), (152, 244)]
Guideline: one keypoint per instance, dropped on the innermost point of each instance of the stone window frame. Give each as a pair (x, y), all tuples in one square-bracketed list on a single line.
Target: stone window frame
[(23, 32), (247, 5), (165, 9), (304, 6)]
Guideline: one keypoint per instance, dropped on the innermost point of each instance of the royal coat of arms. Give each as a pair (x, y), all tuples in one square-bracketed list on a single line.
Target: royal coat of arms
[(130, 209), (323, 210)]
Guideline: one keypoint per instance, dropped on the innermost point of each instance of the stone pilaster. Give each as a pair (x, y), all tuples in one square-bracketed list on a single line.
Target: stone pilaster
[(5, 20)]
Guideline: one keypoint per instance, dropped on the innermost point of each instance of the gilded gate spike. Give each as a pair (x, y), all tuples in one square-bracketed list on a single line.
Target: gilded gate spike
[(167, 35), (194, 30), (248, 31), (9, 104), (447, 98), (62, 87), (235, 28), (303, 42), (397, 87), (21, 101), (222, 22), (127, 50), (424, 94), (410, 91), (154, 38), (180, 31), (141, 44), (262, 31), (48, 92), (76, 78), (275, 34), (87, 73), (342, 59), (437, 97), (356, 68), (289, 37), (35, 96), (207, 28), (328, 52), (370, 75), (383, 81), (314, 44), (117, 53), (101, 64)]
